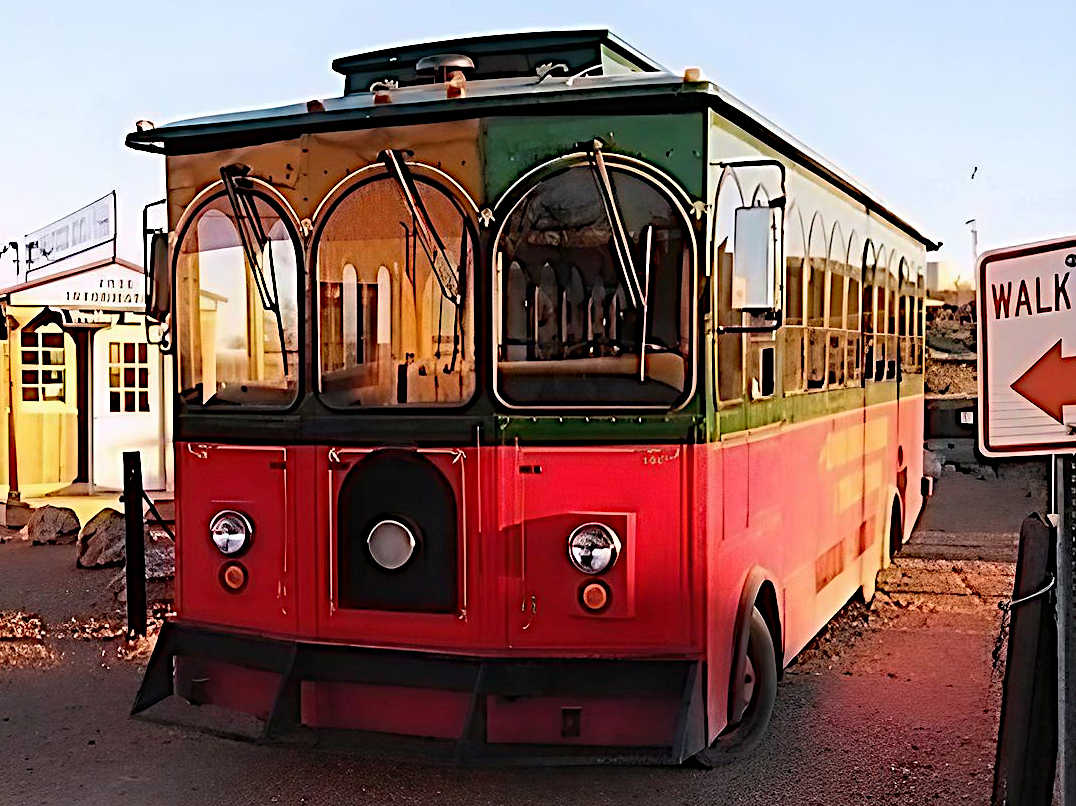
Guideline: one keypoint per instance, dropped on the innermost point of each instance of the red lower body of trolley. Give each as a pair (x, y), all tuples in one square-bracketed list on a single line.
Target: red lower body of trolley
[(793, 519)]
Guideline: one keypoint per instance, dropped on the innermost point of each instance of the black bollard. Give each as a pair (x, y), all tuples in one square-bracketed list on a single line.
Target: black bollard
[(135, 544)]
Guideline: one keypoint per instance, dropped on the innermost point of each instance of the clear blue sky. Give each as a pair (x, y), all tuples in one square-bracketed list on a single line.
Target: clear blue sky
[(906, 96)]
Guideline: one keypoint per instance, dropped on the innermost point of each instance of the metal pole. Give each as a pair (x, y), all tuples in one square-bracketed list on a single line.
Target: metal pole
[(1065, 490), (135, 544), (12, 452)]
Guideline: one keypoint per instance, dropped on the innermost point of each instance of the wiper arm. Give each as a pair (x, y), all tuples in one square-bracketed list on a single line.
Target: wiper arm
[(621, 244), (255, 243), (649, 241), (425, 233)]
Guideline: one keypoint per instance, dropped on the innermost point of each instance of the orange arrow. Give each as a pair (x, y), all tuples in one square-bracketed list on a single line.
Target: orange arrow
[(1050, 383)]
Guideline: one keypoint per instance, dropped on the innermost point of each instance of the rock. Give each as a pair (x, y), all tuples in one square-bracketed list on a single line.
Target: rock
[(53, 526), (986, 473), (101, 543), (932, 465), (160, 558), (160, 572), (157, 590)]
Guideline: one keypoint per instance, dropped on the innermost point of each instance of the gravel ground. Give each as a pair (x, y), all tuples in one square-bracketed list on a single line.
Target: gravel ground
[(895, 703)]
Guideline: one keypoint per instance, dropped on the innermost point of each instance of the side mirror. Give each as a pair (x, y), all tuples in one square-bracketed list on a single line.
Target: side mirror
[(158, 278), (756, 259)]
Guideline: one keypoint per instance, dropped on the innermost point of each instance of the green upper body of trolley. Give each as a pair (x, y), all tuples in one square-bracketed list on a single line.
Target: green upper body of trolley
[(687, 131)]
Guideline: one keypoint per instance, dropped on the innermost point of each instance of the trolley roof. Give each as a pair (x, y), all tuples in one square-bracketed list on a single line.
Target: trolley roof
[(599, 70)]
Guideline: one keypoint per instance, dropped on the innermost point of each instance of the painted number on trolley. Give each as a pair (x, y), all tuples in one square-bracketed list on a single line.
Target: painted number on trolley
[(658, 457)]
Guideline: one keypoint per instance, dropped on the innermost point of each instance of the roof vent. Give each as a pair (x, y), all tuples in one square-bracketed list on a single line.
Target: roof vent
[(442, 64)]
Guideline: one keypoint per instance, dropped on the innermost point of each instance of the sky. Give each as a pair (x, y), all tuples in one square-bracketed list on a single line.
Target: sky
[(908, 97)]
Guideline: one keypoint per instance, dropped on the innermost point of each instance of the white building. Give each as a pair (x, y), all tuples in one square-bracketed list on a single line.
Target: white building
[(86, 382)]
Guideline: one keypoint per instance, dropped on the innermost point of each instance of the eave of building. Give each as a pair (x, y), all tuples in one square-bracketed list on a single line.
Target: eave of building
[(5, 293)]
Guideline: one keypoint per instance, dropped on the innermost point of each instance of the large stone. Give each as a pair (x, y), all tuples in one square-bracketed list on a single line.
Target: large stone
[(160, 558), (53, 526), (160, 572), (101, 543)]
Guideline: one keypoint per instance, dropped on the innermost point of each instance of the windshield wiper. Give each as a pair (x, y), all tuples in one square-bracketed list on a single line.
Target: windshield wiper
[(648, 239), (621, 244), (256, 243), (425, 233)]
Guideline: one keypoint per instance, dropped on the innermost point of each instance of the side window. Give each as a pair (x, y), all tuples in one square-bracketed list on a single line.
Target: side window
[(816, 324), (869, 299), (794, 324), (44, 361), (835, 325), (920, 322), (128, 376), (852, 325), (729, 345), (816, 304), (891, 322), (793, 331)]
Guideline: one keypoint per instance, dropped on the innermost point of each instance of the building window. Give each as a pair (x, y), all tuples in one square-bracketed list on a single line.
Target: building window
[(43, 362), (128, 376)]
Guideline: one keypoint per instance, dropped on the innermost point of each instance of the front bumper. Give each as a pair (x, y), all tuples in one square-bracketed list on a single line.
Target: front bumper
[(546, 710)]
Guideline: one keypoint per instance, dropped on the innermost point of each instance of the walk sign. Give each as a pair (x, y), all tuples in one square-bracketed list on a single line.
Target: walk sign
[(1027, 349)]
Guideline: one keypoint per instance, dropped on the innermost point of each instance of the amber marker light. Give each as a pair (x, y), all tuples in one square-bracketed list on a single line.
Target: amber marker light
[(233, 576), (594, 596)]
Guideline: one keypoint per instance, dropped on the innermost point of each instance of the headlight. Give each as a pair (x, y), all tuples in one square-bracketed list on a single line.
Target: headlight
[(391, 544), (231, 532), (593, 548)]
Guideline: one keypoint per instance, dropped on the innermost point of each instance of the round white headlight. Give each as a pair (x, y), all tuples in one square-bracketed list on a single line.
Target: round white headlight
[(593, 548), (231, 531), (391, 544)]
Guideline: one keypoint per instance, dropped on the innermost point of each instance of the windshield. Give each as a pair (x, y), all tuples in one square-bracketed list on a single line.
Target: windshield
[(395, 263), (237, 334), (594, 275)]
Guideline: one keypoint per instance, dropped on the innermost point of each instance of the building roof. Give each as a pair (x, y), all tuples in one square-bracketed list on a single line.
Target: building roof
[(66, 273)]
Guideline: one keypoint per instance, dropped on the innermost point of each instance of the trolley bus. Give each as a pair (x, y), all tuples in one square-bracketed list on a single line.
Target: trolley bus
[(530, 397)]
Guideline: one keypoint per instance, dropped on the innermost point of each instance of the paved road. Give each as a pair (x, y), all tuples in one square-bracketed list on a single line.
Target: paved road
[(890, 705)]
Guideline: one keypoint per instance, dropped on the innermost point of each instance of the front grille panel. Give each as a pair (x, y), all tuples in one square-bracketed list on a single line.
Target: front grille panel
[(406, 487)]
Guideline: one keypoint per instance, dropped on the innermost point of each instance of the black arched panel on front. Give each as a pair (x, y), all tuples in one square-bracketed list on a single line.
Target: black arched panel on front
[(406, 488)]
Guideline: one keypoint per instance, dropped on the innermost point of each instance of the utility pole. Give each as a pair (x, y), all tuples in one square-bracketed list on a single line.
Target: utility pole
[(974, 242)]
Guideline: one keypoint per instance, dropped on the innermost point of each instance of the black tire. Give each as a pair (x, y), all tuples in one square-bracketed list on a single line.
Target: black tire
[(740, 740)]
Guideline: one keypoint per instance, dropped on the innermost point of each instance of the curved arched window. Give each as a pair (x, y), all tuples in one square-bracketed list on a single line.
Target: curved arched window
[(578, 325), (237, 333), (395, 267)]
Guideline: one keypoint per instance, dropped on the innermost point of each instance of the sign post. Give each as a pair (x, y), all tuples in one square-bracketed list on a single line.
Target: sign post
[(1066, 634), (1027, 407)]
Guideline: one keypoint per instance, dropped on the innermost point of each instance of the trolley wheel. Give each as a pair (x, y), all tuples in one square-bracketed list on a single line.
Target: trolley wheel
[(760, 678)]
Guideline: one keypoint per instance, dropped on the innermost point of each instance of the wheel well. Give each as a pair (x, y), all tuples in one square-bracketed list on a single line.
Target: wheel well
[(766, 602), (896, 528)]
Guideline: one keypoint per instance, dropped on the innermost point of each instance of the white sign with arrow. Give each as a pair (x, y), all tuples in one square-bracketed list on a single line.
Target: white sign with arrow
[(1027, 349)]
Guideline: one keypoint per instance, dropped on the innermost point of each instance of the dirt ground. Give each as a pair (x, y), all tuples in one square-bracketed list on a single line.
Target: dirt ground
[(895, 703)]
